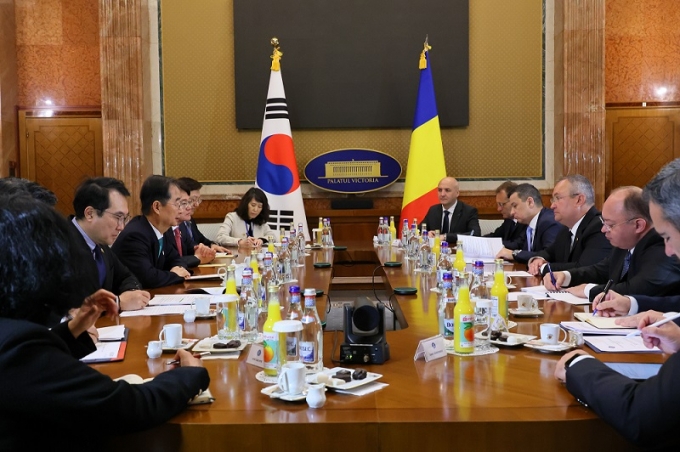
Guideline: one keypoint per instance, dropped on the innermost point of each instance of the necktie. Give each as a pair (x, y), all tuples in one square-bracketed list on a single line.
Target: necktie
[(445, 224), (249, 229), (160, 246), (178, 240), (189, 231), (571, 245), (530, 237), (626, 265), (99, 260)]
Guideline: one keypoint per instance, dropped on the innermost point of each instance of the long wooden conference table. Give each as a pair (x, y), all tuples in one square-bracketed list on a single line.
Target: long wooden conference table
[(509, 400)]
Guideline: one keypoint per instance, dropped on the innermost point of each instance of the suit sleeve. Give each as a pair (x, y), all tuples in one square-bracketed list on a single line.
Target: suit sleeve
[(224, 235), (198, 235), (70, 393), (662, 304), (642, 412), (472, 223), (548, 237), (591, 273), (78, 346), (123, 278)]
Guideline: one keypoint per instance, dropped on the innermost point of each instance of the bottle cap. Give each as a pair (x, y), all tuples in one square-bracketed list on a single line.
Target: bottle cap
[(310, 292), (294, 289), (287, 326), (483, 303)]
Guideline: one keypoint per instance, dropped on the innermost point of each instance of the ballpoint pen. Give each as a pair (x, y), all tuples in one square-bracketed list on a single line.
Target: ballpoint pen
[(196, 355), (552, 276), (605, 292), (670, 317)]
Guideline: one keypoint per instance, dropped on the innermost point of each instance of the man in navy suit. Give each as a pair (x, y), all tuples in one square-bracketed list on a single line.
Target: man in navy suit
[(643, 412), (451, 217), (141, 245), (192, 230), (511, 231), (542, 229), (583, 243)]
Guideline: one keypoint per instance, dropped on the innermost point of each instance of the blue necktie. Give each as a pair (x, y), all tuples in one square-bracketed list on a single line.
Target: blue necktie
[(530, 231), (189, 231), (160, 246), (101, 267), (626, 265)]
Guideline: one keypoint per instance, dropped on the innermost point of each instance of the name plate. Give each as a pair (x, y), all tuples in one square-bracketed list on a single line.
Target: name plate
[(431, 348), (256, 355)]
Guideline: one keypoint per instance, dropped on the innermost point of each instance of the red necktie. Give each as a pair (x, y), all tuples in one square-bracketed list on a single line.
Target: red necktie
[(178, 240)]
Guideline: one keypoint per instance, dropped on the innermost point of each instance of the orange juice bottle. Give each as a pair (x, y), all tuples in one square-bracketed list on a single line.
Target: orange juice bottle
[(499, 292), (230, 289), (459, 262), (464, 322), (271, 340)]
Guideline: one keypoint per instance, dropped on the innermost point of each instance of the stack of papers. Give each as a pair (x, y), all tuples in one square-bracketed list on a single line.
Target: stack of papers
[(111, 333), (587, 328), (619, 344), (480, 248), (157, 310), (560, 295), (164, 300)]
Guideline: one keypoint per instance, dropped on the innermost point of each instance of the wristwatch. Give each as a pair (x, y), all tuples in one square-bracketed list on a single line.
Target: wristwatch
[(515, 253), (567, 363)]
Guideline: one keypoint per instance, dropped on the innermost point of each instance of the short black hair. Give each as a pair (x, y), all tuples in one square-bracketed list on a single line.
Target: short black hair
[(14, 185), (508, 187), (36, 266), (524, 191), (155, 188), (95, 192), (664, 191), (259, 196), (191, 184)]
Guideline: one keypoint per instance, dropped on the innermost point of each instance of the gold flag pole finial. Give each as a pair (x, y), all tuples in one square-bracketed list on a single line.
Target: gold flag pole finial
[(422, 64), (276, 55)]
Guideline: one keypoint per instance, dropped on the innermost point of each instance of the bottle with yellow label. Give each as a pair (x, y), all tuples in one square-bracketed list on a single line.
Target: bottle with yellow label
[(459, 261), (499, 292), (464, 321), (271, 340), (393, 231)]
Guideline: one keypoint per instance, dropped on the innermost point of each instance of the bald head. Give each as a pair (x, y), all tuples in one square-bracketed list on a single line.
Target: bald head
[(447, 191)]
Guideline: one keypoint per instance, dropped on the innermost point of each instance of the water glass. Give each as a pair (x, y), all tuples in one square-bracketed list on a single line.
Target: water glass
[(482, 326)]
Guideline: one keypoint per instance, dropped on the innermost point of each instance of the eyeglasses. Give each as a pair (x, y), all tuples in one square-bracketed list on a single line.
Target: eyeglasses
[(558, 198), (180, 205), (195, 201), (122, 219), (502, 204), (609, 227)]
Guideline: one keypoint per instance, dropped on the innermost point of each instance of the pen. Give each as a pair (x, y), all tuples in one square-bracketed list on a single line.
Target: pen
[(552, 276), (605, 292), (670, 317), (196, 355)]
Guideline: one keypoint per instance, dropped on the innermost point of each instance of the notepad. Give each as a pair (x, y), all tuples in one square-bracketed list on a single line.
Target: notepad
[(568, 298), (112, 333), (165, 300), (587, 328), (600, 322), (618, 344), (106, 352), (157, 310), (201, 398)]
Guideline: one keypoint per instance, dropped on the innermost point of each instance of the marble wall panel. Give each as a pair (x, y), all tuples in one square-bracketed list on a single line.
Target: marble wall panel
[(8, 87)]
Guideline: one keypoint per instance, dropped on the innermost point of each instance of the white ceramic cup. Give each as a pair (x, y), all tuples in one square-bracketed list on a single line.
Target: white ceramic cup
[(154, 349), (526, 302), (292, 378), (550, 333), (171, 334), (189, 315), (202, 306)]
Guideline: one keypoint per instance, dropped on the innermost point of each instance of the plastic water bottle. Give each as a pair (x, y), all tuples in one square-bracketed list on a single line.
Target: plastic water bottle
[(311, 342)]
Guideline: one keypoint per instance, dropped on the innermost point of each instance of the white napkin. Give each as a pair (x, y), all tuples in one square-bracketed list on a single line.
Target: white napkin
[(363, 389)]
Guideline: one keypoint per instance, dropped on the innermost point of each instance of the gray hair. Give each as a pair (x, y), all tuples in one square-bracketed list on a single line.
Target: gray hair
[(580, 184), (664, 191)]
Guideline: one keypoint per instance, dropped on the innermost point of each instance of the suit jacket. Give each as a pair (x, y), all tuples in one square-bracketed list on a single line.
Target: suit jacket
[(137, 247), (544, 235), (66, 392), (651, 272), (234, 229), (644, 413), (514, 234), (590, 245), (669, 303), (187, 255), (197, 235), (463, 221)]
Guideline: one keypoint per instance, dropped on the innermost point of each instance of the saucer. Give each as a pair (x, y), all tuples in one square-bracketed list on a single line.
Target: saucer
[(210, 315), (520, 339), (541, 347), (207, 345), (525, 313), (186, 344), (275, 393)]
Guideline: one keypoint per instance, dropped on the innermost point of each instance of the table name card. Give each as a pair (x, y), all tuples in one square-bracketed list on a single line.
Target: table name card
[(431, 348), (255, 355)]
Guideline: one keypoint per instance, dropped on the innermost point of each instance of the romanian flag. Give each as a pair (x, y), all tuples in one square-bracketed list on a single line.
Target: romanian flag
[(426, 165), (277, 171)]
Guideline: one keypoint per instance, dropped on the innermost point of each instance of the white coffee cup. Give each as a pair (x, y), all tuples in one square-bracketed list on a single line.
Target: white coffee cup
[(526, 302), (550, 333), (292, 378), (171, 334), (189, 315), (202, 306), (154, 349)]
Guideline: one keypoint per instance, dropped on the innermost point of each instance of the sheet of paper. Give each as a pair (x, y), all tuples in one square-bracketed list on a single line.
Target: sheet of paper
[(480, 247), (619, 344), (111, 333), (568, 298), (600, 322), (512, 296), (197, 277), (106, 351), (587, 328), (156, 310), (519, 274), (364, 389), (164, 300), (535, 289)]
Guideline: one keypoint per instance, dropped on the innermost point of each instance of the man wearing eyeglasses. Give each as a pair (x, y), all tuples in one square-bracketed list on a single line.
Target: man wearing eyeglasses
[(511, 231), (637, 263), (101, 212), (190, 227), (582, 243), (141, 244)]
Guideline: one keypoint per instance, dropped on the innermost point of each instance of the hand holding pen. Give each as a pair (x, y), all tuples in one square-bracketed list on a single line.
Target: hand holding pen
[(185, 359), (663, 333), (604, 295)]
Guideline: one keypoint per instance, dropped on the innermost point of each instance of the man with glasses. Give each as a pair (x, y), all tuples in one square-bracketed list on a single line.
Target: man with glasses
[(190, 227), (582, 243), (141, 244), (637, 263), (101, 212), (511, 231)]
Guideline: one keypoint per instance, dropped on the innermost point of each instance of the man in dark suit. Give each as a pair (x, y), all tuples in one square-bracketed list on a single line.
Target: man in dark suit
[(583, 243), (140, 246), (511, 231), (101, 212), (637, 263), (644, 413), (192, 230), (542, 229), (451, 217)]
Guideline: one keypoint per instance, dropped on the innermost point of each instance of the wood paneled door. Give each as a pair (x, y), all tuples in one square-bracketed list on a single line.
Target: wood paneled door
[(639, 142), (60, 151)]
